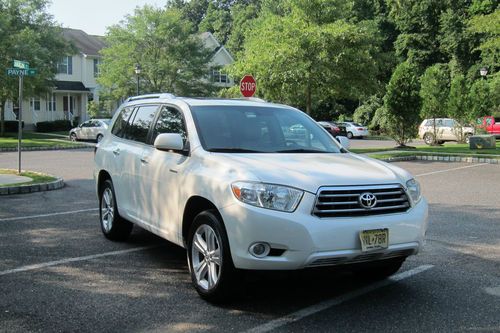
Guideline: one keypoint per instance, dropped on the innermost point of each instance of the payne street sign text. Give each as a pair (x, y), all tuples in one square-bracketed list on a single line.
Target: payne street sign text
[(21, 72)]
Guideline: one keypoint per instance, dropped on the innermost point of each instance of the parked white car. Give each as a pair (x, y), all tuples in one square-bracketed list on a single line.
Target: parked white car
[(93, 129), (355, 130), (446, 130), (241, 188)]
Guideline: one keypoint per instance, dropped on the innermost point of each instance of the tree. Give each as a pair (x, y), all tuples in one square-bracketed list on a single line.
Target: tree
[(366, 111), (402, 103), (172, 59), (487, 27), (28, 33), (458, 104), (480, 99), (306, 57), (434, 92)]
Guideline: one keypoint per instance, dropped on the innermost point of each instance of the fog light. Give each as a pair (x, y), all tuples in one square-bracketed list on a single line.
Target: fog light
[(259, 250)]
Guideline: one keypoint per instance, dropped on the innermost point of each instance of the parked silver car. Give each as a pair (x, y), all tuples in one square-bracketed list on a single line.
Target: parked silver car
[(93, 129)]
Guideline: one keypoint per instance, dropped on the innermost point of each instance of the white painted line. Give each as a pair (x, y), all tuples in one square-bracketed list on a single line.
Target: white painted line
[(454, 169), (47, 215), (75, 259), (298, 315)]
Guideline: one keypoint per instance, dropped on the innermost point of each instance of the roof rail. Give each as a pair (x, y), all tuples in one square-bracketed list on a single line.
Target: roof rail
[(150, 96), (250, 99)]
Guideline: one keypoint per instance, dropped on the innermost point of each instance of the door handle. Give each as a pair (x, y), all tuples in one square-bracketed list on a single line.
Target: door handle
[(116, 152), (144, 160)]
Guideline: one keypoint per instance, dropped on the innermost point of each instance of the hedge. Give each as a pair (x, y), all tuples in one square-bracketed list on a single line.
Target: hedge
[(53, 126), (12, 125)]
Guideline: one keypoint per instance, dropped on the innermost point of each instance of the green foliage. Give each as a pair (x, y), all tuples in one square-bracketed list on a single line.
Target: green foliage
[(434, 91), (28, 33), (172, 59), (365, 113), (481, 102), (487, 27), (301, 62), (458, 104), (93, 109), (53, 126), (402, 104)]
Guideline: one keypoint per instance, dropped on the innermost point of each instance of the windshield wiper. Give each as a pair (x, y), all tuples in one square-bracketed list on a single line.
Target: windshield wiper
[(302, 150), (233, 150)]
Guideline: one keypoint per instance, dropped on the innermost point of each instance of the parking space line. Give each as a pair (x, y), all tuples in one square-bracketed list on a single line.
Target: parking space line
[(47, 215), (75, 259), (298, 315), (453, 169)]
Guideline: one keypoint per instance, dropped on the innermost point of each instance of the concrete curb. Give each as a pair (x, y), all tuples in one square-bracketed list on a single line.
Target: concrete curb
[(458, 159), (46, 148), (22, 189)]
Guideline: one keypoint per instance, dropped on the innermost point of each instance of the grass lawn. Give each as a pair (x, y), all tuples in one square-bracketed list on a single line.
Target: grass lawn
[(33, 139), (447, 148), (38, 178)]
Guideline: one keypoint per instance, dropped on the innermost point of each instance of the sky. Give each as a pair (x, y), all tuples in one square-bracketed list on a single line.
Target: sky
[(93, 16)]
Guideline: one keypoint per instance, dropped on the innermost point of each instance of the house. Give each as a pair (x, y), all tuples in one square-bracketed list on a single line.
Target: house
[(75, 83), (221, 57)]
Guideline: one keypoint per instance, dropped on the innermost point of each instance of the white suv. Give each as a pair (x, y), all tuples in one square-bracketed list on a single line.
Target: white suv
[(446, 130), (246, 185)]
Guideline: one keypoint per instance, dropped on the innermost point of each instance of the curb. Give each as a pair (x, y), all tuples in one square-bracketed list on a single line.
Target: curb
[(22, 189), (46, 148), (443, 159)]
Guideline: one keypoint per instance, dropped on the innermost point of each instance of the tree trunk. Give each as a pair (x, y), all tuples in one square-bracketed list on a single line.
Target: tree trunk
[(2, 118), (308, 99)]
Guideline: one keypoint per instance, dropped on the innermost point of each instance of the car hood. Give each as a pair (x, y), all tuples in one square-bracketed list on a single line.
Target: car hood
[(311, 171)]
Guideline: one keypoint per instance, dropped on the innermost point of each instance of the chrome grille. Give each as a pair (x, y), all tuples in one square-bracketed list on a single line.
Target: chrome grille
[(345, 201)]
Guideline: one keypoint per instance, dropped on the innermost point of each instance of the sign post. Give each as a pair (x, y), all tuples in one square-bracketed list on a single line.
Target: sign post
[(248, 86), (21, 69)]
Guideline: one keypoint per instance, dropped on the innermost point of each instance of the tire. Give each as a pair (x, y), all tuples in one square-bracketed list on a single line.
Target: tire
[(350, 135), (209, 258), (429, 138), (73, 137), (113, 226), (379, 270), (467, 138), (99, 138)]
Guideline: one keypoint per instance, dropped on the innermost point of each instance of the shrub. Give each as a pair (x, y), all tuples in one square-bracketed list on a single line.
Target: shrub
[(12, 125), (53, 126)]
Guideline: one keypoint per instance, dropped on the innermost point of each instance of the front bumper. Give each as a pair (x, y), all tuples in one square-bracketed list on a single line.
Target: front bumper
[(310, 241)]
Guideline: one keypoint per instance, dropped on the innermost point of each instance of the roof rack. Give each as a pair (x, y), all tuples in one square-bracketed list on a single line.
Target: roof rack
[(150, 96), (250, 99)]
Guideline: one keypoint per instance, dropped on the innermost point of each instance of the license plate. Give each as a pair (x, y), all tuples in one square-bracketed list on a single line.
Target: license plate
[(375, 239)]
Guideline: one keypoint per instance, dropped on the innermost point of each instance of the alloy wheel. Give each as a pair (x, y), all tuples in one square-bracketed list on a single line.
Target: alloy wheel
[(206, 257), (107, 209)]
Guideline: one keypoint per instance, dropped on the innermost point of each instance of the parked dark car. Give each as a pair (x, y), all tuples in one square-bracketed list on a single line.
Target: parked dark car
[(333, 128)]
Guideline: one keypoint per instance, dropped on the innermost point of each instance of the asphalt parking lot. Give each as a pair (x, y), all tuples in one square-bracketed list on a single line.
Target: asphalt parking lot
[(58, 273)]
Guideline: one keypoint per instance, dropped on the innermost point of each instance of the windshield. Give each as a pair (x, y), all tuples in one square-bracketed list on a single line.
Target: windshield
[(249, 129)]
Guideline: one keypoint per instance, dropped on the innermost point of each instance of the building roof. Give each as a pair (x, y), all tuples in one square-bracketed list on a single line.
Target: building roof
[(87, 44), (70, 86)]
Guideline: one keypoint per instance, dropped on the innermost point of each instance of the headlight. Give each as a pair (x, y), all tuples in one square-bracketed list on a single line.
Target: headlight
[(414, 190), (268, 196)]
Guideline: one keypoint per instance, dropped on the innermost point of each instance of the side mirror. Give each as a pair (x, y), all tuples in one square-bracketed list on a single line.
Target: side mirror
[(169, 141), (344, 141)]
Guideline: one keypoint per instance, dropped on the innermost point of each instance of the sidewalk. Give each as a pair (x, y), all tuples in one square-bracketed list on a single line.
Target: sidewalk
[(13, 179)]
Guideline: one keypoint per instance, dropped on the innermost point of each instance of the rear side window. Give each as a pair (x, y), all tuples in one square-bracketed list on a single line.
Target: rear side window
[(170, 120), (121, 122), (139, 128)]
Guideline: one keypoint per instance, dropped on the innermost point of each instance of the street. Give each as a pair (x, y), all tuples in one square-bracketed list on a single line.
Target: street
[(58, 272)]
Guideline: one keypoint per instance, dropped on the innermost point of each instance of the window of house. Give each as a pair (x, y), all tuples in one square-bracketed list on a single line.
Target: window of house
[(65, 66), (97, 72), (35, 104), (51, 102), (219, 77)]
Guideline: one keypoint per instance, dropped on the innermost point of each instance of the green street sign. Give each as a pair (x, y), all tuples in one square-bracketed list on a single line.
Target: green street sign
[(21, 64), (21, 72)]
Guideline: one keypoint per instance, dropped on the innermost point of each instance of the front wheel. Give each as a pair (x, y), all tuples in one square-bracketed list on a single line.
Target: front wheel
[(350, 135), (99, 138), (429, 138), (209, 258), (467, 138), (73, 137), (113, 226)]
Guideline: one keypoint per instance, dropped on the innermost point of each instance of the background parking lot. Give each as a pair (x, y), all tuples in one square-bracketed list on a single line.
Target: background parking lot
[(58, 273)]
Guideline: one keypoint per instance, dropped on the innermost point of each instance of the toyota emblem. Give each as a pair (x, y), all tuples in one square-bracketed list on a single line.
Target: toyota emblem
[(367, 200)]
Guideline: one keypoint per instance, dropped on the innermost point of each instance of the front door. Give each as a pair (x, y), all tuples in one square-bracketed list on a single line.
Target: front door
[(68, 106)]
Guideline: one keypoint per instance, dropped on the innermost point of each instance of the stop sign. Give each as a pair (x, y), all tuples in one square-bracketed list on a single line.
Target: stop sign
[(248, 86)]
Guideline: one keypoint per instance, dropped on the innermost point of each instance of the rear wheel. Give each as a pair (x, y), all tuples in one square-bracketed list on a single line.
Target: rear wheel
[(429, 138), (113, 226), (212, 270), (350, 135), (467, 138)]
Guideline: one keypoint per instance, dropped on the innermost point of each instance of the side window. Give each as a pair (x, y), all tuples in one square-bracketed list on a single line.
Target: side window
[(121, 122), (449, 123), (139, 128), (170, 121)]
